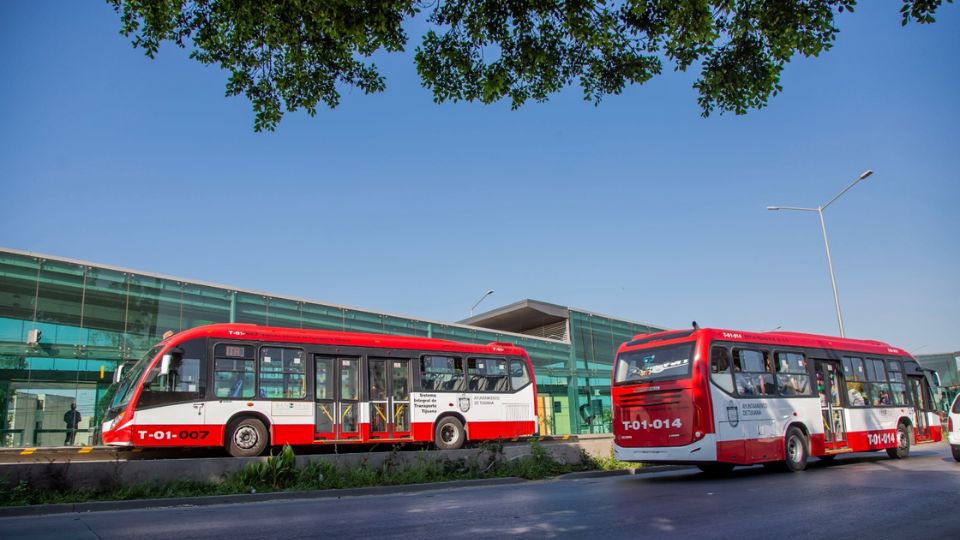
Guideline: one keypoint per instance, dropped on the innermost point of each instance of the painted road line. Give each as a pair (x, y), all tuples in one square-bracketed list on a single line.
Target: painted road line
[(27, 451), (86, 450)]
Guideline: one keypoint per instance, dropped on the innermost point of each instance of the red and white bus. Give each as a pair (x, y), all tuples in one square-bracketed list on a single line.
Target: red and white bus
[(721, 398), (248, 387)]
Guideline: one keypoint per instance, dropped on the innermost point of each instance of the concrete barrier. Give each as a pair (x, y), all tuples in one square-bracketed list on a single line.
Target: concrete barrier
[(105, 475)]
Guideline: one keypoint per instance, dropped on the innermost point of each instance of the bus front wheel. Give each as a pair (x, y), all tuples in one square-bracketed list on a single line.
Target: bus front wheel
[(247, 438), (902, 450), (795, 450), (449, 434)]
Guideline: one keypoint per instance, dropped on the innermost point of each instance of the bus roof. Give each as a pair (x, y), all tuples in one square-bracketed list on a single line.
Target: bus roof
[(790, 339), (332, 337)]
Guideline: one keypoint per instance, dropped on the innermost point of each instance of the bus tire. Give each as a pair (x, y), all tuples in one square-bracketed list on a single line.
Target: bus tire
[(795, 450), (955, 448), (449, 434), (247, 437), (716, 469), (902, 450)]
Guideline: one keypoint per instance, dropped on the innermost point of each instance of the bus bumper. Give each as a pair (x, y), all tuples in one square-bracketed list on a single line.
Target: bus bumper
[(113, 435), (704, 450)]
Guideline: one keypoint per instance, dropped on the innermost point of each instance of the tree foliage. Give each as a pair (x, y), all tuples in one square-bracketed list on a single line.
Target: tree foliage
[(294, 54)]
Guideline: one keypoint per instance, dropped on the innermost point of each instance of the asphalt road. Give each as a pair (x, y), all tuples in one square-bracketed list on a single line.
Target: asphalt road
[(861, 497)]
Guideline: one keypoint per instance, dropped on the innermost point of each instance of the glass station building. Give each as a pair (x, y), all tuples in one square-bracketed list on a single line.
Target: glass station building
[(66, 325)]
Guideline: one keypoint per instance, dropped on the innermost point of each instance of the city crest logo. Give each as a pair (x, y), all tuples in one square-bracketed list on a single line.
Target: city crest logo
[(464, 403), (733, 414)]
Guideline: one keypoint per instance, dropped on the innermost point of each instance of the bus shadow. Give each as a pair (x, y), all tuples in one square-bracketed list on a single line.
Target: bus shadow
[(753, 471)]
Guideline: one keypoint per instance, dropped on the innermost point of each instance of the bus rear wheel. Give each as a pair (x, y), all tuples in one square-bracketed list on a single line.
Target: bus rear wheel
[(449, 434), (956, 451), (247, 437), (902, 450), (795, 450)]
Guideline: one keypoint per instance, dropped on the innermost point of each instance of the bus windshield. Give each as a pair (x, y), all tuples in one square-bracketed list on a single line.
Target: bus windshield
[(660, 364), (130, 378)]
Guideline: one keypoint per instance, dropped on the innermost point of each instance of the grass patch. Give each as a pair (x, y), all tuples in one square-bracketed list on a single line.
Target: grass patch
[(279, 472), (609, 463)]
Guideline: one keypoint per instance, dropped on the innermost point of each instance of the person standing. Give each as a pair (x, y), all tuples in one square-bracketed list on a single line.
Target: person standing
[(72, 419)]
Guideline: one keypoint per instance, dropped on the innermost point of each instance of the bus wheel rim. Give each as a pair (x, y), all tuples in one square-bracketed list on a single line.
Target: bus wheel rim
[(449, 434), (793, 449), (246, 437)]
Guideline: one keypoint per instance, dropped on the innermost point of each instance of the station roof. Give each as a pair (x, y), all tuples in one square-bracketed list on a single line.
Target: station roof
[(519, 317)]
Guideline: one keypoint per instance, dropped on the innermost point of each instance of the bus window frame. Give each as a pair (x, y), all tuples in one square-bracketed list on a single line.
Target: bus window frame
[(506, 375), (456, 357), (808, 355), (307, 371), (153, 371), (808, 364), (688, 376), (733, 382), (746, 346), (525, 365)]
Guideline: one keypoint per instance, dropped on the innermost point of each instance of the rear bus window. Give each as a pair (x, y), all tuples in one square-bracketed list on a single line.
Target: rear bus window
[(660, 364)]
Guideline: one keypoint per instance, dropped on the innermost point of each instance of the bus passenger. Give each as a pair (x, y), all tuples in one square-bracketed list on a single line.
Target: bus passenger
[(856, 398)]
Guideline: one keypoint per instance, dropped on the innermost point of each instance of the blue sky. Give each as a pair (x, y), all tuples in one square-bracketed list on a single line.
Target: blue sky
[(638, 208)]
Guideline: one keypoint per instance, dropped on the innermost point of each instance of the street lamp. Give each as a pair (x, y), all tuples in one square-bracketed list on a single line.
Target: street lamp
[(486, 294), (819, 210)]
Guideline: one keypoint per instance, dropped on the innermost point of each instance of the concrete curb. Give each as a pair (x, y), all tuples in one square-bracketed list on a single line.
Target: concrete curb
[(208, 500)]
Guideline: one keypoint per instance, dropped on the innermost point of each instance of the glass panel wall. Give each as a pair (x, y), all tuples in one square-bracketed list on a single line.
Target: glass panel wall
[(92, 317)]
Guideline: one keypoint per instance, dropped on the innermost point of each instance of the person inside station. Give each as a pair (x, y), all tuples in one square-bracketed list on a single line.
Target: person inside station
[(72, 419)]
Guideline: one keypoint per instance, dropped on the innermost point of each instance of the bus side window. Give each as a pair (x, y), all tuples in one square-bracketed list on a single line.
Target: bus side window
[(792, 377), (879, 390), (857, 385), (518, 374), (898, 390), (441, 373), (753, 373), (233, 371), (720, 368)]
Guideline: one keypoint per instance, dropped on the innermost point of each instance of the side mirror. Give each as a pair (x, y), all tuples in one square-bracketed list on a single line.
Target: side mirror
[(165, 364), (168, 359)]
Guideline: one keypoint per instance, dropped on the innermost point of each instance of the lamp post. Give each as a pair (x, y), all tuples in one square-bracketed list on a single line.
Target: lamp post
[(486, 294), (826, 244)]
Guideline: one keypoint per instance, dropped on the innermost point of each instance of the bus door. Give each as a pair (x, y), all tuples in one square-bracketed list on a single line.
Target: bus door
[(389, 386), (337, 398), (919, 391), (829, 385)]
